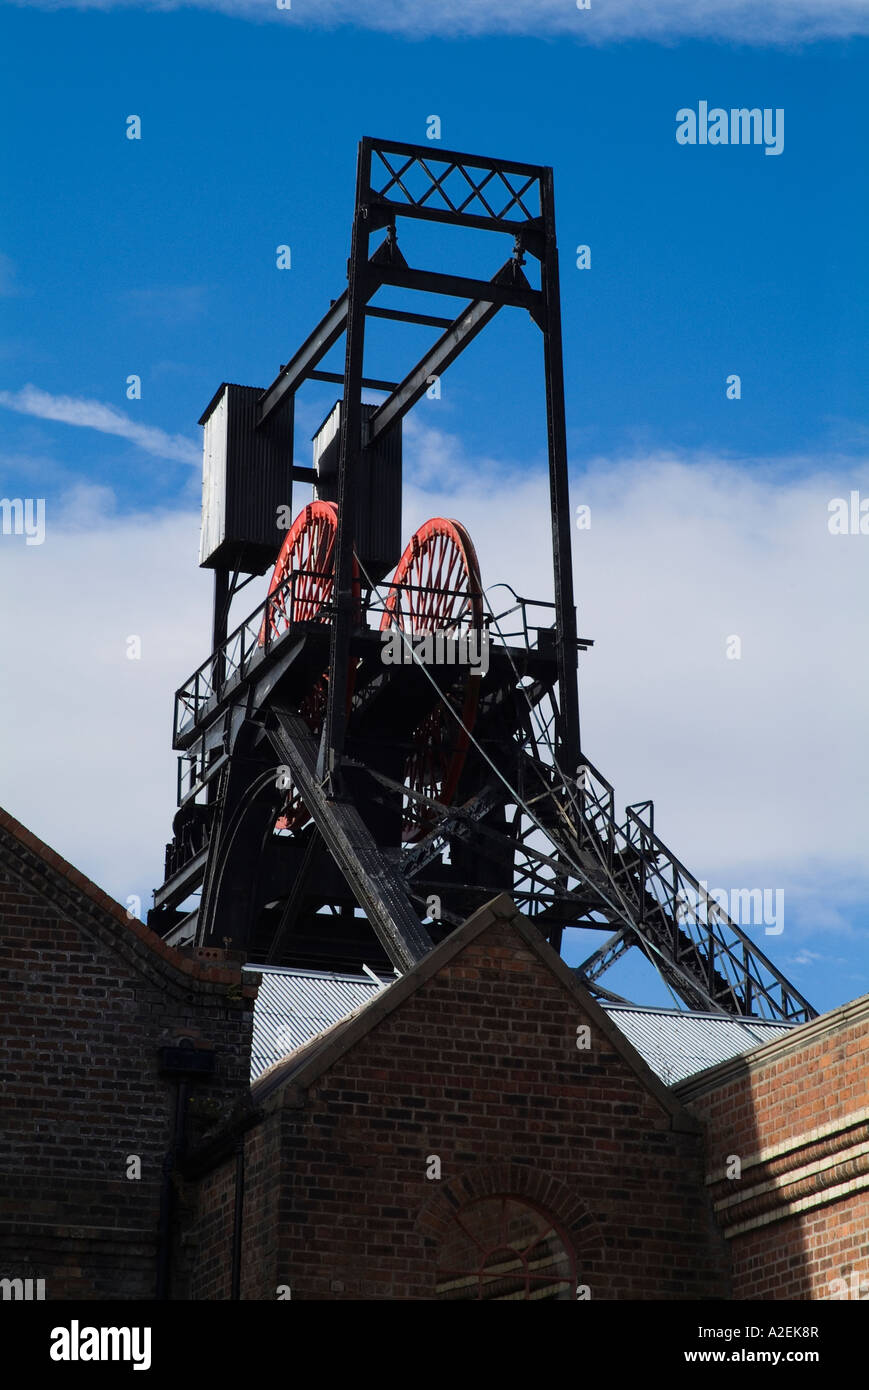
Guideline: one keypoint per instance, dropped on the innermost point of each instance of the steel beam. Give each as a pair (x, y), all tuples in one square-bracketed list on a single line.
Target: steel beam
[(482, 174), (455, 819), (369, 383), (376, 885), (385, 208), (567, 730), (374, 311), (461, 286), (360, 287), (182, 883), (460, 333), (605, 955), (293, 905), (315, 347), (434, 154)]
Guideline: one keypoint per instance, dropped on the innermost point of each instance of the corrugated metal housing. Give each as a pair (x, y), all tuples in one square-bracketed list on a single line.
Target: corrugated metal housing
[(246, 479), (378, 497)]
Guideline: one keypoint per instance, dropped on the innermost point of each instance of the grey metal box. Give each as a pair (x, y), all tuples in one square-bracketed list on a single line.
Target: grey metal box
[(246, 478), (378, 496)]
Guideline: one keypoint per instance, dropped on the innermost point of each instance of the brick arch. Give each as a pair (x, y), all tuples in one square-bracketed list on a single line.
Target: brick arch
[(515, 1180)]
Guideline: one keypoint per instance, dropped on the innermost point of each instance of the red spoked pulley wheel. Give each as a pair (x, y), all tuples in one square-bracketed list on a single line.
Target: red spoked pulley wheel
[(307, 559), (303, 583), (436, 588)]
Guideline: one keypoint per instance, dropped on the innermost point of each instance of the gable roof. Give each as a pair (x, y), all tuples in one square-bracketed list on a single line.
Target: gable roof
[(304, 1066), (77, 898), (799, 1039), (677, 1043), (294, 1006)]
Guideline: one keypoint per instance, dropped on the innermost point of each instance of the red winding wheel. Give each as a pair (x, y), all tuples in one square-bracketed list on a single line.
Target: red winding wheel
[(436, 588), (308, 553)]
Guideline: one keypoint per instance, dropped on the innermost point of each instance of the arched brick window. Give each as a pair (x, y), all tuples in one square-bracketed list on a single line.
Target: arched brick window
[(505, 1248)]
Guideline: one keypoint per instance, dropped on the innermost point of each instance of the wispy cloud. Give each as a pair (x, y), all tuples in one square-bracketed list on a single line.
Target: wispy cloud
[(739, 21), (167, 304), (70, 410), (8, 279)]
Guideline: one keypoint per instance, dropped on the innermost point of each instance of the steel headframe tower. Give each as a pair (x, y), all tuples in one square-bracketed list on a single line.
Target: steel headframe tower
[(375, 864), (485, 194)]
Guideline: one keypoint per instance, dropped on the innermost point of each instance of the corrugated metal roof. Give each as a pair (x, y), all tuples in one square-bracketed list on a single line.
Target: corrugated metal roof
[(676, 1045), (293, 1006)]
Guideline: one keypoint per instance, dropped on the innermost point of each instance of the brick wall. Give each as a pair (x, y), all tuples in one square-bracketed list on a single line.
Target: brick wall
[(87, 998), (210, 1240), (470, 1060), (795, 1113), (477, 1065)]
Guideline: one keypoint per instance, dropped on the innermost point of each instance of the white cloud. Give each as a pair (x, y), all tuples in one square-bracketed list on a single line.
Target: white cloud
[(758, 767), (70, 410), (85, 737), (739, 21), (813, 958)]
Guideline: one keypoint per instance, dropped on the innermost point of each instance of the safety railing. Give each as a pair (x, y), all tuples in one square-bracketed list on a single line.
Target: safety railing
[(685, 910), (245, 647), (672, 907), (526, 623), (256, 637), (425, 607)]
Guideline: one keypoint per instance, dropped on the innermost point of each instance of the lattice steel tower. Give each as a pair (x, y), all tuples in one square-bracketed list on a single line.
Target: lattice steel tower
[(336, 810)]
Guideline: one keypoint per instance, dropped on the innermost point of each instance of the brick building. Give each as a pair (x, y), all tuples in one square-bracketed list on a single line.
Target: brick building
[(478, 1128), (482, 1102), (113, 1046), (796, 1113)]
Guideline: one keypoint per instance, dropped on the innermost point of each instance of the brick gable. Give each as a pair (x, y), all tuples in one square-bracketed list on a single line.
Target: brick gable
[(472, 1059), (88, 998)]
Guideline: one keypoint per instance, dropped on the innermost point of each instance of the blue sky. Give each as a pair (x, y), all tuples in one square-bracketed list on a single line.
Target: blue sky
[(157, 257), (720, 259)]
